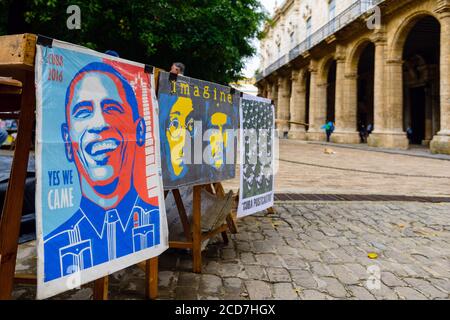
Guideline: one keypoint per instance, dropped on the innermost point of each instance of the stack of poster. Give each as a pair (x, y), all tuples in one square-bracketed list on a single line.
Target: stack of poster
[(100, 202), (256, 155)]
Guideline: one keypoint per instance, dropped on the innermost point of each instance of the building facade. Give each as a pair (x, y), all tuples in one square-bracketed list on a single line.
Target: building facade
[(383, 64)]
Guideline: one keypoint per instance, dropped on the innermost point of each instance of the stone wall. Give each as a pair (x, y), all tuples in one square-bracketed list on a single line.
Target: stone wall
[(345, 47)]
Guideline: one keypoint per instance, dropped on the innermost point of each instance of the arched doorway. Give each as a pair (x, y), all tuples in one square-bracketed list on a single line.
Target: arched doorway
[(365, 88), (331, 91), (421, 105)]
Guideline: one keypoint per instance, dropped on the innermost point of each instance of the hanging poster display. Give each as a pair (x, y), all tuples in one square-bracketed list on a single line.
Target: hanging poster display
[(100, 202), (198, 125), (257, 138)]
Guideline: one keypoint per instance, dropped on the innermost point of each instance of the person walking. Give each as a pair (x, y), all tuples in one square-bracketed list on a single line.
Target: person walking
[(329, 129), (362, 133)]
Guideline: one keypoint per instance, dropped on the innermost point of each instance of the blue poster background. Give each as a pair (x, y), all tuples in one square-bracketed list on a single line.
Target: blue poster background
[(53, 102), (99, 196)]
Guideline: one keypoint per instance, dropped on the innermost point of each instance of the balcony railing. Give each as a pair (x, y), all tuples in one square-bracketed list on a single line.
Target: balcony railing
[(353, 12)]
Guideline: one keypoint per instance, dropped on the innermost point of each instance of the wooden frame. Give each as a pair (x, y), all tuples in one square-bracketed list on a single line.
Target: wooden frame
[(17, 55), (194, 235)]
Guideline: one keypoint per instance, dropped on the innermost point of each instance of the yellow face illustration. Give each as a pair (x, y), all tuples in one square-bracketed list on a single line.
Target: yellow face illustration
[(177, 130), (218, 138)]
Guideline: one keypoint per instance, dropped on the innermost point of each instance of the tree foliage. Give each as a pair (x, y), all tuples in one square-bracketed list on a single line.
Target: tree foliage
[(212, 37)]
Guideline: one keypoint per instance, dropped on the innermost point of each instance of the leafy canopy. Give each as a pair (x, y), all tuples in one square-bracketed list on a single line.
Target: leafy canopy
[(211, 37)]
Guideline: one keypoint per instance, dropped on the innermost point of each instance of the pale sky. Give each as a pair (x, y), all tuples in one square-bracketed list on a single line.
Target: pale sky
[(253, 63)]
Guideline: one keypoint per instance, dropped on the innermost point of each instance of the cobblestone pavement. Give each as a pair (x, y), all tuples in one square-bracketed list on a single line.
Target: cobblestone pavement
[(306, 168), (307, 251)]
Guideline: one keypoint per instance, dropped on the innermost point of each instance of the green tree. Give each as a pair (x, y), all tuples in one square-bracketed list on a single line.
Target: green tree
[(212, 37)]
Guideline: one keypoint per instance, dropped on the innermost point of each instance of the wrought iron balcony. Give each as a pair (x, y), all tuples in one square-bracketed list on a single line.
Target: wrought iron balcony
[(353, 12)]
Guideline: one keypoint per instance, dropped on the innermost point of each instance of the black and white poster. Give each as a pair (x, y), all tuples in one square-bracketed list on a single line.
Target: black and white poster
[(257, 118)]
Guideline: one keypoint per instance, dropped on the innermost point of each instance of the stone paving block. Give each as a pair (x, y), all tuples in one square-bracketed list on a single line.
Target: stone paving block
[(243, 246), (294, 243), (437, 271), (336, 256), (210, 284), (441, 284), (309, 254), (247, 258), (188, 279), (357, 270), (166, 279), (285, 250), (256, 273), (314, 245), (425, 288), (269, 260), (292, 262), (232, 285), (228, 254), (344, 275), (303, 279), (395, 268), (232, 270), (258, 290), (384, 293), (328, 244), (185, 293), (406, 293), (334, 288), (360, 293), (341, 241), (263, 246), (212, 267), (314, 295), (243, 236), (349, 253), (284, 291), (321, 269), (391, 280), (206, 297), (278, 275), (82, 294), (328, 231)]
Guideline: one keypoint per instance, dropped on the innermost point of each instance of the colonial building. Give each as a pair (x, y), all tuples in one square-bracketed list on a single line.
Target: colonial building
[(384, 63)]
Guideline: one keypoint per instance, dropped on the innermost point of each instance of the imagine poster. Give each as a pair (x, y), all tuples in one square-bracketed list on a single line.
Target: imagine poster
[(257, 155), (100, 202), (198, 129)]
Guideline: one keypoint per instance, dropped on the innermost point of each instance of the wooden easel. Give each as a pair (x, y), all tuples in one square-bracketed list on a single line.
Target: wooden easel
[(17, 55), (194, 235)]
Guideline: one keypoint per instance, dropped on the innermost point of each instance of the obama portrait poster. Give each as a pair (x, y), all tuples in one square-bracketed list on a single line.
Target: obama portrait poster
[(100, 202)]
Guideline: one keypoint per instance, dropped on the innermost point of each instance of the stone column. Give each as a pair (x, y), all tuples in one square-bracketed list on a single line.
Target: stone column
[(388, 100), (317, 106), (428, 117), (298, 105), (345, 106), (441, 142), (435, 106), (269, 91), (273, 94), (284, 96)]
